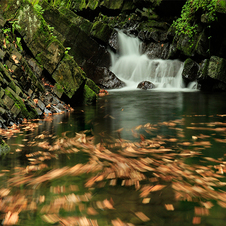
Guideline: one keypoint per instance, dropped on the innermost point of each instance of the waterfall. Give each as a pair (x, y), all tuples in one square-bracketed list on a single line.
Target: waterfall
[(132, 67)]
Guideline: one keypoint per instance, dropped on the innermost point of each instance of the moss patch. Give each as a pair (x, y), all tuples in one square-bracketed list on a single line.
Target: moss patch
[(89, 95)]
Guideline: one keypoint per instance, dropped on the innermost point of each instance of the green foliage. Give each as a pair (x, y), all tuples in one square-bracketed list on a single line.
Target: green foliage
[(9, 33), (15, 26), (187, 24), (82, 4), (39, 10), (67, 49), (18, 42)]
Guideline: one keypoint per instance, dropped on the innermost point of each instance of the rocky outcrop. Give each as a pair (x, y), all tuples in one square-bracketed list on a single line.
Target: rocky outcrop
[(145, 85), (106, 79), (49, 50), (80, 35), (212, 74)]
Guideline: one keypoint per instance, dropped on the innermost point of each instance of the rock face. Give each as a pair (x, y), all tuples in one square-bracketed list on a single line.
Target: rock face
[(146, 85), (80, 35), (49, 50)]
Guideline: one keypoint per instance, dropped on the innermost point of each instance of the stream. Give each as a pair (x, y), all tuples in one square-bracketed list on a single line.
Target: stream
[(58, 174)]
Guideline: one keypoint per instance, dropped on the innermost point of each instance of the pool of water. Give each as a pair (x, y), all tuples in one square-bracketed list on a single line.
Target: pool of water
[(145, 158)]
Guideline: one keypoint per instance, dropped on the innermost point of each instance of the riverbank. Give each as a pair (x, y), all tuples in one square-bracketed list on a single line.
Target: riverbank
[(52, 52)]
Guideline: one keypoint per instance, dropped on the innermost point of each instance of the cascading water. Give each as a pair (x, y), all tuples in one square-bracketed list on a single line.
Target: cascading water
[(132, 67)]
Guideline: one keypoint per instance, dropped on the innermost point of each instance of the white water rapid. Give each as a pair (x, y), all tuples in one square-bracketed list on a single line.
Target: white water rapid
[(132, 67)]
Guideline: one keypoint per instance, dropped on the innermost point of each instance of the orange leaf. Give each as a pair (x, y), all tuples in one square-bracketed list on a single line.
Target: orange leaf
[(35, 101), (142, 216), (14, 59)]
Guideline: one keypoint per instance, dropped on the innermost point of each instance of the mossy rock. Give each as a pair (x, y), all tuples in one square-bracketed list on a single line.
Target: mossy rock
[(92, 4), (51, 55), (128, 5), (217, 68), (29, 21), (190, 46), (62, 19), (89, 95), (39, 38), (6, 78), (9, 8), (101, 31), (221, 6), (27, 111), (91, 84), (69, 76), (112, 4)]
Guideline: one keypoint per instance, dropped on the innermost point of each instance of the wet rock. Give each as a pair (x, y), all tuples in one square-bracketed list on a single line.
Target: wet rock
[(203, 70), (91, 84), (35, 67), (190, 71), (69, 76), (89, 96), (113, 41), (106, 79), (157, 50), (145, 85), (60, 107), (173, 52)]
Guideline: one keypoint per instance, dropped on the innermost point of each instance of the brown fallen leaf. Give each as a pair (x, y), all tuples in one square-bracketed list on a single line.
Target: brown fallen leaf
[(169, 207), (196, 220), (91, 211), (35, 101), (146, 200), (4, 192), (11, 218), (201, 211), (142, 216), (107, 204)]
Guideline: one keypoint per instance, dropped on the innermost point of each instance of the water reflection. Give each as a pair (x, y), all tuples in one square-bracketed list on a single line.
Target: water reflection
[(165, 167)]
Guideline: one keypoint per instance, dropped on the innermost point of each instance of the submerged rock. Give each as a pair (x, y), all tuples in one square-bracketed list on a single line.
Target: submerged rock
[(145, 85)]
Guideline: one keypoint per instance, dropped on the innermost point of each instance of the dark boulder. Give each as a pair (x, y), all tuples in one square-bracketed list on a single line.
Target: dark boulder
[(106, 79), (156, 50), (190, 71), (146, 85)]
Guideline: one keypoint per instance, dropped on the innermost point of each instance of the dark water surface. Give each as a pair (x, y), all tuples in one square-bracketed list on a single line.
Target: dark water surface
[(185, 122)]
